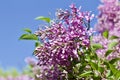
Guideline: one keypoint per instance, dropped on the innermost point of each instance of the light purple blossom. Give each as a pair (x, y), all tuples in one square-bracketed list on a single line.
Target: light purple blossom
[(109, 16), (61, 42), (105, 43), (108, 19), (31, 61)]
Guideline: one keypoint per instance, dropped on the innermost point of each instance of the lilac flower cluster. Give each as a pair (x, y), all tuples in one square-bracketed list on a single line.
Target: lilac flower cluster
[(61, 42), (105, 43), (109, 19)]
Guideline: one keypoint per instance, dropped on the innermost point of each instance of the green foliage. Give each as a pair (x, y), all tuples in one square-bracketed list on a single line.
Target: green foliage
[(11, 72), (37, 44), (114, 37), (46, 19), (114, 60), (105, 34), (85, 74), (27, 30), (90, 65), (108, 52), (28, 37), (93, 65), (112, 44), (115, 71), (97, 46)]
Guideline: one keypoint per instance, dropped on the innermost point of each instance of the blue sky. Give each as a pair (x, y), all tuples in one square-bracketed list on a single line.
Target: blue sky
[(18, 14)]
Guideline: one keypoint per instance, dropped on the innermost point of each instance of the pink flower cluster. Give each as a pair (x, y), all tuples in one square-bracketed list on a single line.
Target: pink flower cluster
[(108, 19), (61, 42), (66, 47)]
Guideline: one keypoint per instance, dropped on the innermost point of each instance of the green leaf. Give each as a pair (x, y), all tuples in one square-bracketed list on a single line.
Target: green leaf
[(112, 44), (37, 44), (88, 73), (28, 37), (106, 63), (114, 60), (96, 77), (101, 69), (97, 46), (109, 73), (91, 37), (82, 67), (28, 30), (112, 68), (117, 75), (115, 71), (87, 57), (105, 34), (114, 37), (46, 19), (108, 52), (93, 65)]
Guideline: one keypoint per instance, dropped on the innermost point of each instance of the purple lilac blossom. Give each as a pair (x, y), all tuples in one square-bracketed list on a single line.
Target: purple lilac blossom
[(109, 16), (61, 42), (31, 61), (108, 19)]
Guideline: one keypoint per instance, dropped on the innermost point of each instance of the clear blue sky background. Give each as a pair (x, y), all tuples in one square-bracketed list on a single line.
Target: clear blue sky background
[(18, 14)]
